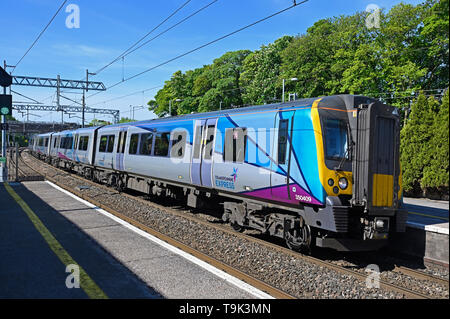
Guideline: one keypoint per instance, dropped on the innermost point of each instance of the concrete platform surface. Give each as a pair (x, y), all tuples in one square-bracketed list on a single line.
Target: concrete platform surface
[(121, 262), (427, 214)]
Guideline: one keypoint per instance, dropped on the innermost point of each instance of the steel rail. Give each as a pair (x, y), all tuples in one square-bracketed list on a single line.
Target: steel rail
[(259, 284), (408, 293)]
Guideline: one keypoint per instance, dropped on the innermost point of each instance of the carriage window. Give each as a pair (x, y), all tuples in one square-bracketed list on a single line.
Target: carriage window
[(46, 141), (110, 143), (198, 141), (69, 142), (124, 139), (62, 144), (336, 139), (133, 144), (103, 143), (83, 143), (235, 144), (41, 141), (209, 141), (282, 141), (146, 144), (161, 144), (120, 142), (178, 144), (66, 142)]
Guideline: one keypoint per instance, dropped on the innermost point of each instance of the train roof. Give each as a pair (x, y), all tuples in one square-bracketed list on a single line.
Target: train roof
[(343, 102), (300, 102), (43, 134)]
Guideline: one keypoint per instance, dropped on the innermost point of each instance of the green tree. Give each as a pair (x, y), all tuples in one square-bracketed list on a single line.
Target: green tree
[(126, 120), (434, 40), (399, 42), (415, 145), (436, 174), (97, 122), (225, 74), (309, 58), (260, 78)]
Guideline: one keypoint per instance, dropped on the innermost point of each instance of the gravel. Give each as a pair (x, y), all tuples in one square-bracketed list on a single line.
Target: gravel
[(288, 273)]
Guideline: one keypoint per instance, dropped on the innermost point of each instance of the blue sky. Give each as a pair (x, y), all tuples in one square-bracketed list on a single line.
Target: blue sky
[(107, 28)]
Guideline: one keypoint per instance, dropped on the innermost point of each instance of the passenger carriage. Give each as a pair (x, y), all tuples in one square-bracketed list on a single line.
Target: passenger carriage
[(320, 171)]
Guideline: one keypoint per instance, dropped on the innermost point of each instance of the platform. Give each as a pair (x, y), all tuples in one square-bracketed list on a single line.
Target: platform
[(115, 260), (427, 214), (427, 230)]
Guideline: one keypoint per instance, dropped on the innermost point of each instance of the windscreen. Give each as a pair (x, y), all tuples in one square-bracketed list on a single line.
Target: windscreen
[(336, 139)]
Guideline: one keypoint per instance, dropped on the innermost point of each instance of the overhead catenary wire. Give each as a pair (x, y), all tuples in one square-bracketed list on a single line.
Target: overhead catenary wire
[(40, 34), (204, 45), (170, 28), (127, 95), (148, 41), (65, 97), (29, 98), (142, 38)]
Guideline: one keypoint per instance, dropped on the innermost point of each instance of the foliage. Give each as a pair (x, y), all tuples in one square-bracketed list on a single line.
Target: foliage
[(125, 120), (96, 122), (415, 146), (407, 54), (261, 75), (436, 175)]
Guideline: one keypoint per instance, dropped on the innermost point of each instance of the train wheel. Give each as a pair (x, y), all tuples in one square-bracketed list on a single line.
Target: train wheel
[(112, 180), (236, 227), (120, 185), (299, 239)]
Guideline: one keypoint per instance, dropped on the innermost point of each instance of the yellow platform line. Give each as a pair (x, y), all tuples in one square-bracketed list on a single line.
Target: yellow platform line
[(431, 216), (86, 283)]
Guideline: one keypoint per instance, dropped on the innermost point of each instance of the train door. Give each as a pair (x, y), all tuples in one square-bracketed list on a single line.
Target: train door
[(202, 155), (75, 147), (49, 146), (282, 154), (120, 149)]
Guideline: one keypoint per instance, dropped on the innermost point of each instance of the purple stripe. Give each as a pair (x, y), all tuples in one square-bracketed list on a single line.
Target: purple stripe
[(280, 193)]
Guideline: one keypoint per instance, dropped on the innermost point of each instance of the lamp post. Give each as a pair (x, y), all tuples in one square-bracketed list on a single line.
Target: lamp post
[(291, 79), (170, 105)]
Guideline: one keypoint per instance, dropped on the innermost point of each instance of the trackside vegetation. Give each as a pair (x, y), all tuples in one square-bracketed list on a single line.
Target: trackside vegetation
[(403, 62)]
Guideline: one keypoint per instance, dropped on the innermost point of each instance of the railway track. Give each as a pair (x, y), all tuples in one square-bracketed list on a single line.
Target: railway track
[(25, 173), (276, 292), (422, 275)]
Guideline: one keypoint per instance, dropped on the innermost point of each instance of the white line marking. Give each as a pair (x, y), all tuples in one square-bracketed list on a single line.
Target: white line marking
[(219, 273)]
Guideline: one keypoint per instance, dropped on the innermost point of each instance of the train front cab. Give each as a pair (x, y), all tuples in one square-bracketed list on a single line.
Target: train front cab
[(358, 141)]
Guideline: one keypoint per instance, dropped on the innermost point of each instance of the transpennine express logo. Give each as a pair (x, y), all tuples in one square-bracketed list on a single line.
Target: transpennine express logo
[(234, 175), (227, 181)]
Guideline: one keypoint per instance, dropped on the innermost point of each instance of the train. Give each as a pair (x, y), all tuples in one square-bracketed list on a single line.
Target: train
[(315, 172)]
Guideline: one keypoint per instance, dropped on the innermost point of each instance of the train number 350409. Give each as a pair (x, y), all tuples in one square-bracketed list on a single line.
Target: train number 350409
[(303, 198)]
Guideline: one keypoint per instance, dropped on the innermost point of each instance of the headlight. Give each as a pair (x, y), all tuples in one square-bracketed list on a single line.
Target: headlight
[(343, 183)]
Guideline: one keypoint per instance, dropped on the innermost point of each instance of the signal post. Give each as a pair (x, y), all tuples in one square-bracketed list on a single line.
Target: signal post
[(5, 109)]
